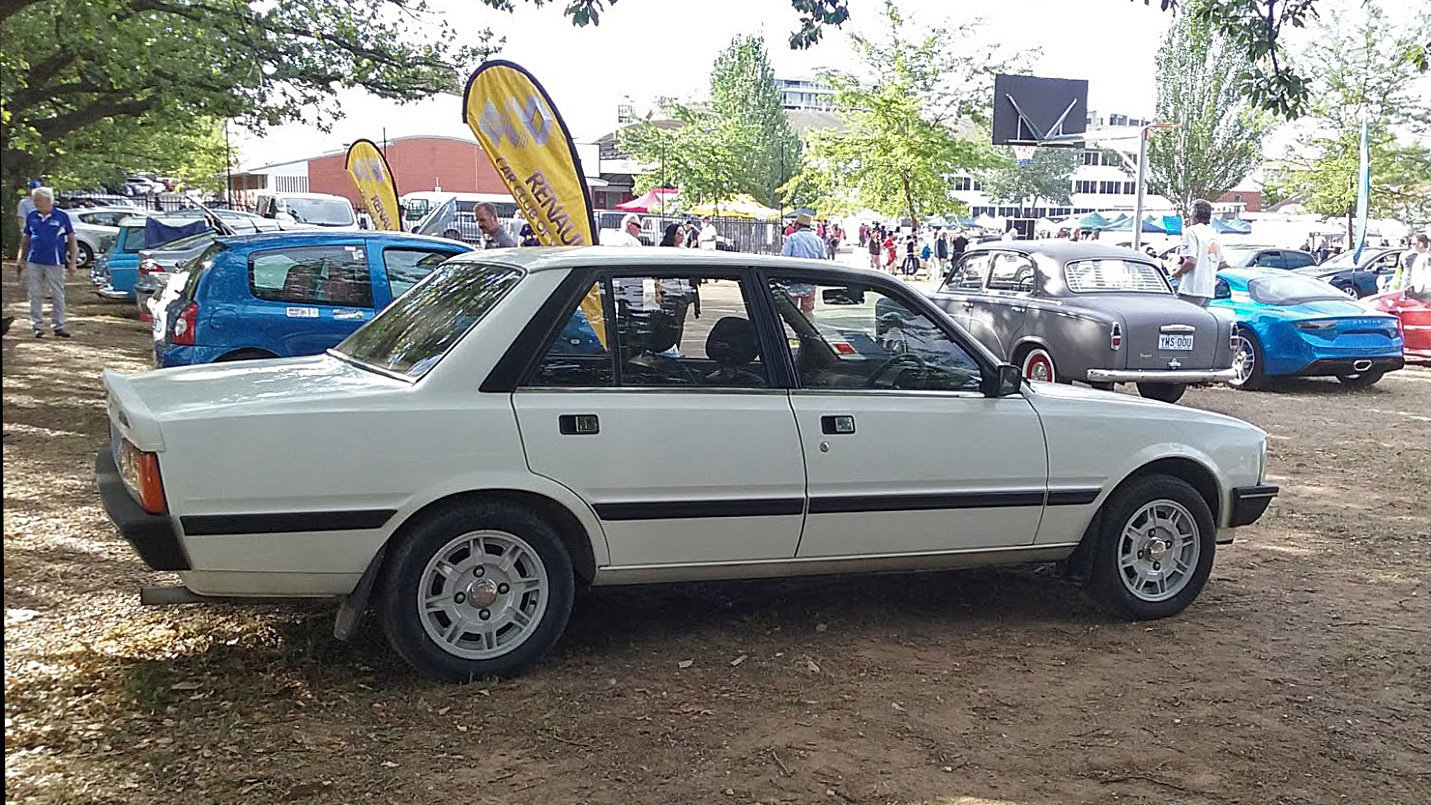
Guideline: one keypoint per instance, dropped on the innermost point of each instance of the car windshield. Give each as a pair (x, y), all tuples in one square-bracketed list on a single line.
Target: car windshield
[(322, 211), (1291, 289), (414, 332), (1114, 275)]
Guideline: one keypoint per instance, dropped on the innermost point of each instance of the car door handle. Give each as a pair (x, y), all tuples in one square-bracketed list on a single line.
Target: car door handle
[(579, 424), (837, 424)]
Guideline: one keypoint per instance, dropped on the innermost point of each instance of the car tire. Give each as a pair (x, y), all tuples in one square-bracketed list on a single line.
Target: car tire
[(1350, 290), (1361, 380), (1164, 392), (522, 585), (1154, 549), (1250, 375), (1036, 363), (86, 255)]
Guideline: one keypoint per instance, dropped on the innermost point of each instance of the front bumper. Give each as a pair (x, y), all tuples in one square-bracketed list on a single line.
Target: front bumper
[(1174, 376), (1249, 502), (152, 535)]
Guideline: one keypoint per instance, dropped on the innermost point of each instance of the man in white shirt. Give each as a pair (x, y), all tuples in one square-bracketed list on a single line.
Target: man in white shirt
[(1201, 257), (708, 237), (630, 291)]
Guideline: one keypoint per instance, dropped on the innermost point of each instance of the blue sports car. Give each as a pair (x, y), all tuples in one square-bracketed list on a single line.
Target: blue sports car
[(1291, 324)]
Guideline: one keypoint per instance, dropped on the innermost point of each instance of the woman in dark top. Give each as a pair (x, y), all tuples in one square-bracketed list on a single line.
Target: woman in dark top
[(677, 294)]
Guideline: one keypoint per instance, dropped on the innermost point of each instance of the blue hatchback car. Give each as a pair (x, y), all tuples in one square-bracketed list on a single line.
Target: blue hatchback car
[(286, 294), (1291, 324)]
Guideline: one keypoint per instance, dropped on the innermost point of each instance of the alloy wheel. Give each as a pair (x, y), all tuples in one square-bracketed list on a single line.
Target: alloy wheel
[(483, 594), (1158, 550)]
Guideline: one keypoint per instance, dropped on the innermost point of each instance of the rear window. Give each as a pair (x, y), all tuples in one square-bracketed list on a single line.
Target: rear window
[(1291, 289), (321, 211), (1114, 275), (414, 332)]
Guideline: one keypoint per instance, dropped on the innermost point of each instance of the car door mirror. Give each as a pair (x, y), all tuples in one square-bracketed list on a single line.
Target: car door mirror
[(1004, 381)]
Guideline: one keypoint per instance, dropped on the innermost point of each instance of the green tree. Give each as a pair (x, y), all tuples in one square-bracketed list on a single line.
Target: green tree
[(743, 89), (1361, 75), (898, 150), (1218, 135), (1049, 177)]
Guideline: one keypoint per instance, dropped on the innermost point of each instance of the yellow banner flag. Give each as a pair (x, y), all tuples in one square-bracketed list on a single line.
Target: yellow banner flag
[(521, 132), (376, 184)]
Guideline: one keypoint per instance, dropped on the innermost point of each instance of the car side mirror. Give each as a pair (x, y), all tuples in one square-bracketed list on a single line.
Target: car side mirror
[(1004, 381)]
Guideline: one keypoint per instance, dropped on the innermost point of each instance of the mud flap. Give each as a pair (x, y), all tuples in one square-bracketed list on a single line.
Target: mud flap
[(350, 614)]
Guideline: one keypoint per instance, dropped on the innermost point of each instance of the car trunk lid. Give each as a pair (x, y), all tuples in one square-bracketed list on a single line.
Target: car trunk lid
[(1161, 331)]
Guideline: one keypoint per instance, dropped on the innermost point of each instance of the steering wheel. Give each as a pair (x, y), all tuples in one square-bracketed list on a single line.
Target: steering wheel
[(685, 370), (901, 358)]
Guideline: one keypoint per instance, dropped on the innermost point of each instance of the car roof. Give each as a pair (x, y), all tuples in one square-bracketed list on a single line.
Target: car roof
[(551, 258), (1062, 249), (286, 237)]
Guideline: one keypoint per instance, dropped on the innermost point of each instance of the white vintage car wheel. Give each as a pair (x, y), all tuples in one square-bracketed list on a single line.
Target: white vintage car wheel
[(482, 594), (1038, 365), (1158, 550)]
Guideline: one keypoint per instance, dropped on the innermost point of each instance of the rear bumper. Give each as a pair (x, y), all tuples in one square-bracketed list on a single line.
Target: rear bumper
[(1174, 376), (152, 535), (1351, 366), (1249, 502)]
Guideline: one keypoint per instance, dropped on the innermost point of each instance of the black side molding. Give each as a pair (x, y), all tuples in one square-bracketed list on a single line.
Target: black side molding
[(210, 525), (152, 535), (683, 509), (1249, 502)]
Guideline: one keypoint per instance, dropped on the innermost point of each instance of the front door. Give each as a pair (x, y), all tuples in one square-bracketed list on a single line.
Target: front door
[(902, 451), (668, 422)]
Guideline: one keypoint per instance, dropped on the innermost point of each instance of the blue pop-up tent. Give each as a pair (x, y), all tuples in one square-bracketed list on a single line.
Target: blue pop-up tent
[(1092, 221), (1236, 226), (1150, 224)]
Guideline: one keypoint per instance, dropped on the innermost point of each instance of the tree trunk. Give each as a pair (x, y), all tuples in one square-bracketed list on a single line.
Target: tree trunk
[(909, 201), (17, 167)]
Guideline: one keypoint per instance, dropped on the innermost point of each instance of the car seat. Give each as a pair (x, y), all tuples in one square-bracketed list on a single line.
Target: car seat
[(644, 335), (732, 346), (298, 282)]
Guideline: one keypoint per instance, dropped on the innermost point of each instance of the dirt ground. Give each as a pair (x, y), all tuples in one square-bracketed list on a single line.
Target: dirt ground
[(1302, 675)]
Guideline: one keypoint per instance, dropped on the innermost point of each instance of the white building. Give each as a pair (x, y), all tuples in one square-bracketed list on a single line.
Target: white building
[(806, 94)]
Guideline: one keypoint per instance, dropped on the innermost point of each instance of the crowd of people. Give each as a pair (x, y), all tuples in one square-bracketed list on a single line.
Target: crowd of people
[(907, 253)]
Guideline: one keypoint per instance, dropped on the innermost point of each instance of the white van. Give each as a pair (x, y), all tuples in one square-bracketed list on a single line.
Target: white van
[(315, 209)]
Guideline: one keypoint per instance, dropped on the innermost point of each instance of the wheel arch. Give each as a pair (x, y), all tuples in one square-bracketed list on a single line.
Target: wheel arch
[(1027, 342)]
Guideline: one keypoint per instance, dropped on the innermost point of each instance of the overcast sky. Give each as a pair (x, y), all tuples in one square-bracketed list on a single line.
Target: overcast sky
[(646, 49)]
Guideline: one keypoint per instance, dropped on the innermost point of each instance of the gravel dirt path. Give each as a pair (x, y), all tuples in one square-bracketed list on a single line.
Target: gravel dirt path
[(1302, 675)]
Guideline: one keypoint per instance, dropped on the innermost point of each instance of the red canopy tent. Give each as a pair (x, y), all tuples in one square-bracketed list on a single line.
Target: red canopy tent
[(654, 200)]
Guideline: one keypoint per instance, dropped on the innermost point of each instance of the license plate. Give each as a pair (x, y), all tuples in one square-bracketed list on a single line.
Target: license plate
[(1182, 343)]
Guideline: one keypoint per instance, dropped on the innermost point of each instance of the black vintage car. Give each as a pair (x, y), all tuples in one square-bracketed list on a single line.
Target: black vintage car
[(1065, 311)]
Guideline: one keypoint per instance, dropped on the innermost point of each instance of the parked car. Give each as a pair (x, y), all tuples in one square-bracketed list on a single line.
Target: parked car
[(316, 209), (457, 463), (1413, 309), (1064, 311), (96, 229), (157, 265), (116, 270), (1243, 255), (1358, 280), (286, 294), (1293, 325)]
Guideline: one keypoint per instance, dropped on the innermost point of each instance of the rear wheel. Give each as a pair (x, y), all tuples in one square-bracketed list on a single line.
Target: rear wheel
[(86, 255), (1247, 362), (477, 590), (1165, 392), (1361, 380), (1037, 364), (1154, 550)]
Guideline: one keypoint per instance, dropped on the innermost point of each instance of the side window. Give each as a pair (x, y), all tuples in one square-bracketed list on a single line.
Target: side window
[(1296, 259), (689, 331), (1011, 272), (970, 275), (861, 338), (404, 267), (1222, 290), (1268, 260), (579, 355), (314, 275)]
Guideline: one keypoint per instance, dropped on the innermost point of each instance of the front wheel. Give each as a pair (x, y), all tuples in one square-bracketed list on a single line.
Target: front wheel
[(86, 255), (477, 590), (1361, 380), (1165, 392), (1154, 550)]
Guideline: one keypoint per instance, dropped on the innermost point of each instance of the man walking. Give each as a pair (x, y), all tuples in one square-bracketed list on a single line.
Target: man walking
[(497, 236), (803, 243), (709, 237), (48, 251), (1201, 257)]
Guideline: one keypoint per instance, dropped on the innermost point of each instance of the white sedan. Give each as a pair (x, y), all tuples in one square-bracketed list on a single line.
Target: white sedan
[(526, 422)]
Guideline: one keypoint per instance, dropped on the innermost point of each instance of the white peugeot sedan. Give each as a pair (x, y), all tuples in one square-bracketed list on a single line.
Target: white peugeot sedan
[(523, 423)]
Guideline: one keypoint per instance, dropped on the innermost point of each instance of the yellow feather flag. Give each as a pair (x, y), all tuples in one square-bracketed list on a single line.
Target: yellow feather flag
[(375, 182)]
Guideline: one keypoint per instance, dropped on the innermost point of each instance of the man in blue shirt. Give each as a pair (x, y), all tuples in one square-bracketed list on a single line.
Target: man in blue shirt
[(803, 243), (48, 251)]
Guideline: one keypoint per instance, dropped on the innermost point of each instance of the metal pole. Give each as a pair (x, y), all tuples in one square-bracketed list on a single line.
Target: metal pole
[(228, 168), (1142, 176)]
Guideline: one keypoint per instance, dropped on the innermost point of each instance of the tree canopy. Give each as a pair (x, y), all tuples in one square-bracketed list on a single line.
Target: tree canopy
[(1048, 177), (1217, 137)]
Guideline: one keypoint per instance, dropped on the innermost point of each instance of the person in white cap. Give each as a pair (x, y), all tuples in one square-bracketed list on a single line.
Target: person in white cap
[(630, 291)]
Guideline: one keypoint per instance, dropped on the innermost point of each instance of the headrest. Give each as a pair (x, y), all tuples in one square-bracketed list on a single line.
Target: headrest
[(732, 342)]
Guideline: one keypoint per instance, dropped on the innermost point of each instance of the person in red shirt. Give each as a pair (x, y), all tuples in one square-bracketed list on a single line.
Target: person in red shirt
[(889, 254)]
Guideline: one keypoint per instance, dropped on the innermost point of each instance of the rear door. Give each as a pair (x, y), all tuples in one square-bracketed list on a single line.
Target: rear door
[(669, 422), (305, 299)]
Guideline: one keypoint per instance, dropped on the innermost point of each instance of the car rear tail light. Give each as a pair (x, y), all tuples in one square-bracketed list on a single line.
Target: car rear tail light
[(1115, 336), (140, 471), (182, 331), (1315, 324), (148, 265)]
